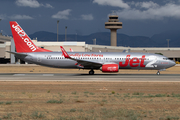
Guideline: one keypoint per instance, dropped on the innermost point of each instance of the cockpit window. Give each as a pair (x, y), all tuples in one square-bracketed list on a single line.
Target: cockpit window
[(165, 58)]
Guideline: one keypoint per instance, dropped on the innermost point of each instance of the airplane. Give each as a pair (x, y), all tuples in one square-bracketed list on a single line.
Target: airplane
[(71, 50), (108, 62)]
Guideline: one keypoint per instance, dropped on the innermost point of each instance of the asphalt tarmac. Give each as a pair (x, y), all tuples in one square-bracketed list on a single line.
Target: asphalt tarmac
[(96, 77)]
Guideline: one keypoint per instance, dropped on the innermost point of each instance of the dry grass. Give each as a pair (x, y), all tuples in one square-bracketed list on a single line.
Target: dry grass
[(89, 100)]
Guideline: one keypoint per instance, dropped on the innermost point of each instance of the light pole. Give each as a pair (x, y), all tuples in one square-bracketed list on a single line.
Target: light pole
[(76, 36), (57, 29), (65, 33), (94, 41), (168, 42), (0, 33), (106, 49)]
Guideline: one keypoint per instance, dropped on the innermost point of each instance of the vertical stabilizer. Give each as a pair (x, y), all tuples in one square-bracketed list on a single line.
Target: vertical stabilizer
[(22, 41)]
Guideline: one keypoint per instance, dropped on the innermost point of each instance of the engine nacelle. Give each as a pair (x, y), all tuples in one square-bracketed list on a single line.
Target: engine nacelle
[(110, 68)]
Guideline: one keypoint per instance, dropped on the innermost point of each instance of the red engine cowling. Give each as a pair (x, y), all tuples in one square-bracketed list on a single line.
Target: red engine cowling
[(110, 68)]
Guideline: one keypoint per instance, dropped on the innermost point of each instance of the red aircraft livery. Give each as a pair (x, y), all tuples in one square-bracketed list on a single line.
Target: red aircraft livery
[(134, 62)]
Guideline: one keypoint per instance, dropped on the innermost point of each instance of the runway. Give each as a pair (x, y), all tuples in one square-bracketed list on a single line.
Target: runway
[(96, 77)]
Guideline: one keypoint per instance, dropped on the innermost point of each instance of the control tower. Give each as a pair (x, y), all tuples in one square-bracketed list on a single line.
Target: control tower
[(113, 24)]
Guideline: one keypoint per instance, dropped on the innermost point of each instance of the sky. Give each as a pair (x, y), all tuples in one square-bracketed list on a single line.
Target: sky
[(84, 17)]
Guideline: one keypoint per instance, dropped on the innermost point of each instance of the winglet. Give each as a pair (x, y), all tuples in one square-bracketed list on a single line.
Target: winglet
[(64, 52), (71, 50)]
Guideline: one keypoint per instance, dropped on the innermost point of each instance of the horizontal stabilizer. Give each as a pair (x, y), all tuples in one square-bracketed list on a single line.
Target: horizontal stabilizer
[(15, 53)]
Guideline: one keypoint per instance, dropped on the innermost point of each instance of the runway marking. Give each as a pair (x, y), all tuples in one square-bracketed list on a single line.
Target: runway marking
[(19, 75), (86, 81), (88, 78), (48, 74)]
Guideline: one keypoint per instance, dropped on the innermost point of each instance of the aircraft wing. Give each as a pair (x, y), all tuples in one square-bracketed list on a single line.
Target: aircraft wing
[(89, 63), (80, 61)]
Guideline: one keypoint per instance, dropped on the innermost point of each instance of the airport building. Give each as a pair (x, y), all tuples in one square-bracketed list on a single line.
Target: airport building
[(7, 44)]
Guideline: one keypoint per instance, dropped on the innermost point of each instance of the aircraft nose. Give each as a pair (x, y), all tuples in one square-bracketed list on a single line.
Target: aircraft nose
[(172, 63)]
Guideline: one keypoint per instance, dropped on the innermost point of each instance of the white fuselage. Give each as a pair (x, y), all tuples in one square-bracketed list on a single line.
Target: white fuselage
[(124, 60)]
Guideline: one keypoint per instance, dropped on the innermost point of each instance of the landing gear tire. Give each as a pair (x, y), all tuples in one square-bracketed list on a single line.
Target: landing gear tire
[(158, 73), (91, 72)]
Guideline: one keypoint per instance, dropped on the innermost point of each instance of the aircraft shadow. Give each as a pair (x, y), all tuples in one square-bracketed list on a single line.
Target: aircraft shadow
[(125, 75)]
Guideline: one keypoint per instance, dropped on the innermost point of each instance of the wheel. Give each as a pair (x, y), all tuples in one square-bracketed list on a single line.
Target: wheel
[(91, 72), (158, 73)]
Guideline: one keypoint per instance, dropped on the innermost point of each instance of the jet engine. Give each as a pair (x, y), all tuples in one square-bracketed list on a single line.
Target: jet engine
[(110, 68)]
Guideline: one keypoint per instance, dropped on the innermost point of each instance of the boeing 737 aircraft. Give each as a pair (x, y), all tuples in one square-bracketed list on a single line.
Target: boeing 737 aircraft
[(27, 51)]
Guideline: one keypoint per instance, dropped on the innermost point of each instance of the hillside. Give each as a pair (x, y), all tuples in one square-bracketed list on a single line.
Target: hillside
[(103, 38)]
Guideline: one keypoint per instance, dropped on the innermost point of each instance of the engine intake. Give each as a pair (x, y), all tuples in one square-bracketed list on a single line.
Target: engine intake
[(110, 68)]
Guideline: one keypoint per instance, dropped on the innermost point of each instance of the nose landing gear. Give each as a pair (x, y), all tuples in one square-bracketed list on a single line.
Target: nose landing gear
[(158, 73)]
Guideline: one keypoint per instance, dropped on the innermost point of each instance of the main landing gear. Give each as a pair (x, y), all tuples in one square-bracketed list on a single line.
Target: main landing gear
[(91, 72), (158, 73)]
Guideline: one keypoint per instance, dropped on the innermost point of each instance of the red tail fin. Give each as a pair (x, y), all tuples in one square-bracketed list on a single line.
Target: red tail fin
[(22, 41)]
